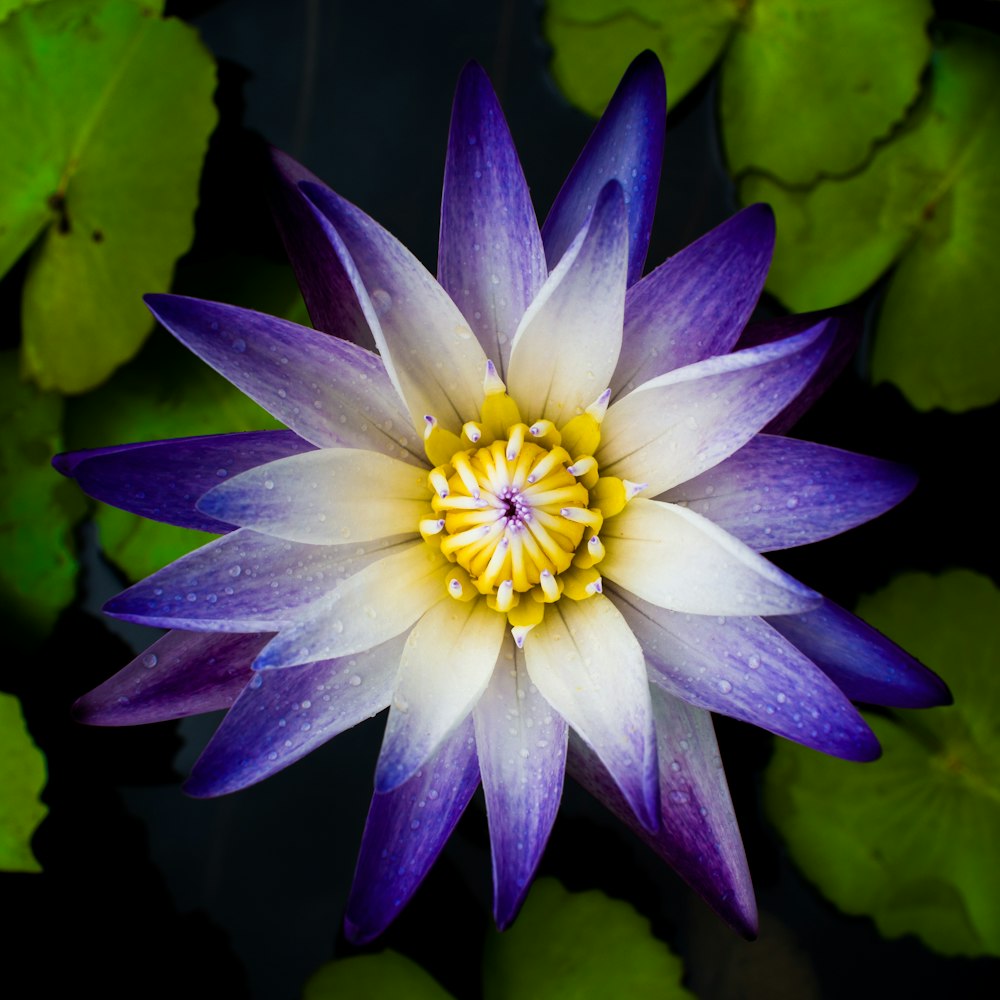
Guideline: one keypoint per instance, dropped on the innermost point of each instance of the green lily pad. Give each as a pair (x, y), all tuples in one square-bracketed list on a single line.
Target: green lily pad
[(595, 40), (112, 109), (911, 840), (373, 977), (164, 393), (38, 508), (579, 945), (809, 86), (929, 197), (22, 778)]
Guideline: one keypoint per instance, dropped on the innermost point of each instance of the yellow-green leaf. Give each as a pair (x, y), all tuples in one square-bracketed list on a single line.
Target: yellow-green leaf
[(112, 108), (373, 977), (595, 40), (38, 508), (929, 198), (22, 778), (808, 86), (911, 840), (579, 946)]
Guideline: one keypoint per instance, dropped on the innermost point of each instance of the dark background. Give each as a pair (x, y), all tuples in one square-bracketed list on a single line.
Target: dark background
[(148, 893)]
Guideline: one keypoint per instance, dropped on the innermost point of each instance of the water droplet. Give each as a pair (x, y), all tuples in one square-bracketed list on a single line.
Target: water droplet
[(753, 662), (273, 755), (236, 570), (239, 345), (382, 301), (268, 484), (725, 687), (675, 765), (149, 661), (792, 502), (355, 681)]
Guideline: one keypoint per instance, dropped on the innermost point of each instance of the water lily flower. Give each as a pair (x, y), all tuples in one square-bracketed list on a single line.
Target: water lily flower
[(531, 525)]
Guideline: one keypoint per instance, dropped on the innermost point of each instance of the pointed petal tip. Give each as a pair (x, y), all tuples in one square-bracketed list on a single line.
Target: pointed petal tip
[(359, 934), (646, 70)]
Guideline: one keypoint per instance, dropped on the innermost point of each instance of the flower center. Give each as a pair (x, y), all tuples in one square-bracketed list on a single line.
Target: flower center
[(519, 509)]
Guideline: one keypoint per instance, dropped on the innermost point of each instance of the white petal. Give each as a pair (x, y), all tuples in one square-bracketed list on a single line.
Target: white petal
[(430, 352), (381, 601), (334, 496), (677, 425), (677, 559), (588, 665), (446, 665), (567, 345)]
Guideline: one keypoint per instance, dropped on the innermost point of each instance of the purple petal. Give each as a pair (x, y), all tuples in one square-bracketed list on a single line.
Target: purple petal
[(328, 391), (699, 836), (163, 480), (429, 351), (181, 674), (627, 146), (405, 832), (777, 492), (521, 743), (327, 290), (676, 426), (743, 668), (282, 715), (490, 255), (696, 304), (862, 662), (847, 326), (242, 582)]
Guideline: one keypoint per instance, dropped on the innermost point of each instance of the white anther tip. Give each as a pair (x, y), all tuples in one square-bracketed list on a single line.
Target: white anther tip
[(519, 632), (597, 587), (633, 489)]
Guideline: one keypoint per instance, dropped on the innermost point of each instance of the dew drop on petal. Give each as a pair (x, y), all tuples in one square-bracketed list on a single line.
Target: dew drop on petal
[(149, 661)]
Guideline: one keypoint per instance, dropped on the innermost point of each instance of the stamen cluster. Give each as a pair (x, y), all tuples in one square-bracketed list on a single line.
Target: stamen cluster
[(519, 509)]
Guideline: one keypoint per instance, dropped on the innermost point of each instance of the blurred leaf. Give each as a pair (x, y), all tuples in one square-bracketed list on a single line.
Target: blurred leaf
[(112, 109), (37, 507), (373, 977), (165, 393), (911, 840), (579, 945), (595, 40), (808, 86), (8, 7), (22, 778), (933, 190)]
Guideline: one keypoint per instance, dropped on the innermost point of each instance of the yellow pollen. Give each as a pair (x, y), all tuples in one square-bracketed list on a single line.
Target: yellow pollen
[(518, 508)]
